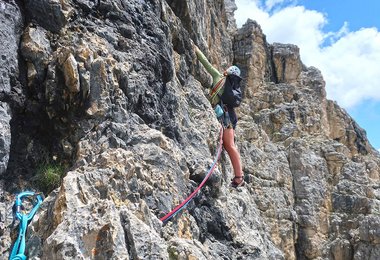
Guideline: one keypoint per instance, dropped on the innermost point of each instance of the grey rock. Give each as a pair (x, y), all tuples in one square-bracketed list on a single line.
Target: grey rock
[(145, 243), (50, 14), (87, 5), (5, 219), (35, 48), (5, 136), (122, 103), (231, 7), (10, 29)]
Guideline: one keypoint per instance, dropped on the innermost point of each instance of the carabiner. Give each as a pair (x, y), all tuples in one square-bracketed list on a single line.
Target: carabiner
[(19, 245)]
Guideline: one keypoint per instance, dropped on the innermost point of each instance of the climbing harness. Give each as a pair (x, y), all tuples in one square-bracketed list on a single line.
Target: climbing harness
[(18, 251), (192, 195)]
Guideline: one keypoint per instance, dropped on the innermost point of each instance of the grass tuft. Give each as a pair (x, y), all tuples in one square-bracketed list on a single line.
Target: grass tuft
[(49, 177)]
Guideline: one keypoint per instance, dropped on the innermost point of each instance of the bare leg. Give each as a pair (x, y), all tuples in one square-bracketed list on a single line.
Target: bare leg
[(233, 153)]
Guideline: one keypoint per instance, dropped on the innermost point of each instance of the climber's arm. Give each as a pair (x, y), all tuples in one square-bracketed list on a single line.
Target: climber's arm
[(216, 75)]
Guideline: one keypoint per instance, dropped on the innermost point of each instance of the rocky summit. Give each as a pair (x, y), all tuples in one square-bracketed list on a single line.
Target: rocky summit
[(112, 91)]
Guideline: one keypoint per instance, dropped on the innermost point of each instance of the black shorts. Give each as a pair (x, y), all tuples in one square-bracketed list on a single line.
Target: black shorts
[(229, 119)]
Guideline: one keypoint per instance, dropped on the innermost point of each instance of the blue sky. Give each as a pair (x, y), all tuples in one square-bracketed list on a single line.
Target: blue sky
[(339, 37), (359, 14)]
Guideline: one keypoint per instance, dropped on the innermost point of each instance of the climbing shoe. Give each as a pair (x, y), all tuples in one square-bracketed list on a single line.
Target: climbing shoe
[(235, 183)]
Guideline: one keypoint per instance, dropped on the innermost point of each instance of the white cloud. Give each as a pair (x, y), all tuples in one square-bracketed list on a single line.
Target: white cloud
[(248, 9), (270, 4), (349, 61), (351, 67)]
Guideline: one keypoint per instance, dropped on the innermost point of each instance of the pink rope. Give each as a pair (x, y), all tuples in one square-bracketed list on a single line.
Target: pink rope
[(183, 204)]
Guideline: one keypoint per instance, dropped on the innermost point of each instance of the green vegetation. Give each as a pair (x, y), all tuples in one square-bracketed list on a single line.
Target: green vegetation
[(49, 176)]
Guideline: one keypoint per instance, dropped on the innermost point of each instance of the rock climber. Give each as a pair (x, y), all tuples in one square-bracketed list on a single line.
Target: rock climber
[(227, 116)]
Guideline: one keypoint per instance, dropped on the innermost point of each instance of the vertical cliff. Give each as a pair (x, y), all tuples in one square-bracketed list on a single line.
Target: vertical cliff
[(314, 174), (112, 91)]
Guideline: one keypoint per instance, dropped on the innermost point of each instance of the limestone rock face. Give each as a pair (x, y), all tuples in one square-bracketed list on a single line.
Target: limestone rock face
[(10, 29), (345, 130), (319, 152), (50, 14), (35, 48), (287, 62), (112, 90)]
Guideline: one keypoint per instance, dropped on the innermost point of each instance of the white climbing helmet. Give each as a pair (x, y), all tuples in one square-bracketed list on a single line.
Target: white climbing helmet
[(233, 70)]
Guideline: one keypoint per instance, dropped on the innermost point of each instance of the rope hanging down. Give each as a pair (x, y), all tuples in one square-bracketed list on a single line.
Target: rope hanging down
[(18, 251), (192, 195)]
